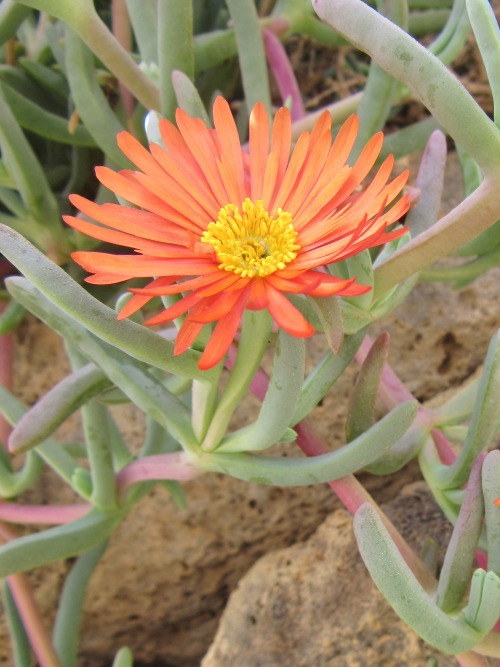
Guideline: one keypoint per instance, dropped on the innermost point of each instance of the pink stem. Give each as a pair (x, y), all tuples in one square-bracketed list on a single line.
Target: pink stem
[(471, 659), (443, 447), (26, 606), (352, 495), (392, 391), (172, 466), (6, 374), (283, 73), (349, 491), (42, 514)]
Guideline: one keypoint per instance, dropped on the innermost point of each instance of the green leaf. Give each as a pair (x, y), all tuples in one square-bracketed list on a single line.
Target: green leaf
[(69, 614), (44, 123), (329, 312), (12, 484), (188, 97), (483, 609), (381, 89), (460, 554), (254, 339), (98, 443), (30, 179), (453, 36), (280, 400), (124, 658), (144, 20), (72, 539), (50, 451), (251, 53), (483, 423), (398, 585), (491, 491), (84, 20), (325, 374), (130, 375), (287, 471), (11, 17), (429, 181), (55, 284), (56, 406), (19, 639), (11, 317), (487, 33), (175, 46), (90, 102), (48, 78), (361, 412)]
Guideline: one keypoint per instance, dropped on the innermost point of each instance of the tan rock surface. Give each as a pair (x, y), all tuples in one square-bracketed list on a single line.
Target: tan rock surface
[(314, 604)]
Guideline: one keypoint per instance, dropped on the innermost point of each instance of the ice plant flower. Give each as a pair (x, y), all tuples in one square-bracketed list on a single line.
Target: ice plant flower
[(229, 228)]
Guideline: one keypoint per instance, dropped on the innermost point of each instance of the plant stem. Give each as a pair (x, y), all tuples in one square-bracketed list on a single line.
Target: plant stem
[(352, 494), (42, 514), (476, 213), (6, 374), (25, 603), (83, 18), (173, 466), (410, 62)]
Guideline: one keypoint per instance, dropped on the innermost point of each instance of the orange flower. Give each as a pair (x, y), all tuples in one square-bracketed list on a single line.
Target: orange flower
[(233, 229)]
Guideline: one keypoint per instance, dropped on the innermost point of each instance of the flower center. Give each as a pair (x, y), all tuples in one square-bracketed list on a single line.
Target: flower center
[(252, 242)]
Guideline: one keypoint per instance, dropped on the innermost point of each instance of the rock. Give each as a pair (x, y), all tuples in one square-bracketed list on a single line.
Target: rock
[(314, 604)]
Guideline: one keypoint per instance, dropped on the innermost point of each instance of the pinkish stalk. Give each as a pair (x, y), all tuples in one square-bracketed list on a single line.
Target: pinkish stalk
[(349, 491), (443, 447), (283, 73), (471, 659), (28, 611), (172, 466), (6, 374), (123, 33), (352, 495), (42, 514), (392, 391)]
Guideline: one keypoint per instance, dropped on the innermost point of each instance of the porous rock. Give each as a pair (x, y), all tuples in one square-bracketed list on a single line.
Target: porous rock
[(314, 605)]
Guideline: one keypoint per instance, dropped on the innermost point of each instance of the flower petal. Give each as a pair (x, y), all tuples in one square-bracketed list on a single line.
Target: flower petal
[(286, 315), (223, 335), (258, 141)]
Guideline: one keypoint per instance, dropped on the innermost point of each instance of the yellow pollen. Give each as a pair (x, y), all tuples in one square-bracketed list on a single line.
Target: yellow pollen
[(252, 242)]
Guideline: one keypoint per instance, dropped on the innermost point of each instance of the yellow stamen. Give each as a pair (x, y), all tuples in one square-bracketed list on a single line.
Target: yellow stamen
[(252, 242)]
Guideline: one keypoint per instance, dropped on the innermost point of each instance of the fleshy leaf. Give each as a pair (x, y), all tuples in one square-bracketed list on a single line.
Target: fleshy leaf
[(483, 422), (71, 298), (491, 490), (56, 406), (330, 315), (430, 183), (361, 413), (20, 643), (324, 376), (69, 613), (130, 375), (279, 403), (124, 658), (398, 585), (455, 572), (288, 471), (30, 551)]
